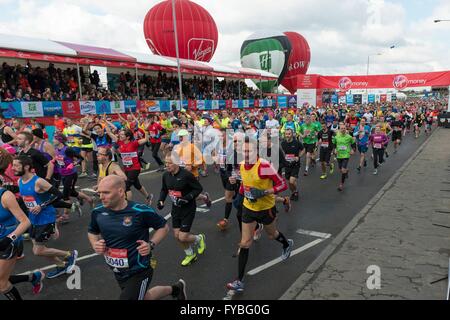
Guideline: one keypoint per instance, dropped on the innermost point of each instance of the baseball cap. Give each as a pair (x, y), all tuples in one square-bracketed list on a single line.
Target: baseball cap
[(183, 133)]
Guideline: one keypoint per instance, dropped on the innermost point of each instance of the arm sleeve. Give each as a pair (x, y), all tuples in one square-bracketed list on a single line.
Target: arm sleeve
[(194, 186), (267, 171), (93, 226)]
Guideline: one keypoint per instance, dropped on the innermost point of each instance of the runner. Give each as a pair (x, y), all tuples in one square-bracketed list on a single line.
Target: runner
[(293, 150), (87, 147), (397, 129), (42, 166), (155, 130), (362, 134), (13, 223), (345, 146), (418, 121), (309, 131), (428, 122), (7, 134), (325, 137), (108, 167), (378, 140), (47, 149), (182, 188), (65, 161), (38, 195), (119, 230), (128, 149), (260, 183)]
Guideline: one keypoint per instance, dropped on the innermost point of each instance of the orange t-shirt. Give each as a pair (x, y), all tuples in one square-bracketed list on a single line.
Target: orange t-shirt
[(59, 124)]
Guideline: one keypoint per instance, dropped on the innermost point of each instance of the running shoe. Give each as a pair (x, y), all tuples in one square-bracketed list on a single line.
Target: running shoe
[(37, 282), (236, 285), (341, 187), (201, 247), (324, 176), (22, 255), (258, 232), (208, 201), (189, 259), (305, 173), (76, 208), (70, 264), (150, 199), (82, 175), (359, 169), (147, 166), (375, 172), (222, 224), (181, 285), (331, 168), (26, 236), (56, 273), (287, 204), (287, 251), (365, 163)]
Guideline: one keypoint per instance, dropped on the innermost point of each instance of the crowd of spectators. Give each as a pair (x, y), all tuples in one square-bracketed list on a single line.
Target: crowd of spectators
[(29, 83)]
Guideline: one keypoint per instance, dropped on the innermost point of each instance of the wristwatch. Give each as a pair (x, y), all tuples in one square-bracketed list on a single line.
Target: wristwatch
[(152, 244), (13, 237)]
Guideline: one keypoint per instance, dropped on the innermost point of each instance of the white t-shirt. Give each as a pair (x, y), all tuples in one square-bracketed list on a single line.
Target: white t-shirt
[(368, 116), (272, 124)]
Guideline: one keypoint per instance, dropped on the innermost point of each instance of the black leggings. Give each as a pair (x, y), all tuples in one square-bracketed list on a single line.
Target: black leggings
[(155, 150), (69, 186), (95, 162), (133, 179), (377, 157)]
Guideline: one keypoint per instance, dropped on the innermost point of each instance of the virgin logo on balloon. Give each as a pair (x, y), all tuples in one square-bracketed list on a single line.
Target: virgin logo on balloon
[(345, 83), (400, 82), (201, 49)]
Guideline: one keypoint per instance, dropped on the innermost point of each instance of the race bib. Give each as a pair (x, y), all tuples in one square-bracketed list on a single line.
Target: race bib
[(290, 157), (60, 161), (174, 195), (247, 193), (117, 258), (377, 145), (343, 148), (324, 144), (127, 158), (29, 201)]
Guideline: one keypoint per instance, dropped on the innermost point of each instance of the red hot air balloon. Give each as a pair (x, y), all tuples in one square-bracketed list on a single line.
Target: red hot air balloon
[(298, 60), (196, 29)]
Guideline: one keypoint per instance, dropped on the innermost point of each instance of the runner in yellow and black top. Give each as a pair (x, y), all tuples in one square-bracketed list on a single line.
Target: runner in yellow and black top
[(260, 183), (167, 132)]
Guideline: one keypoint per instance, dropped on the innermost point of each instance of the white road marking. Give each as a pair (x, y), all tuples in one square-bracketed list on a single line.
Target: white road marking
[(278, 260), (89, 190), (202, 210), (314, 234)]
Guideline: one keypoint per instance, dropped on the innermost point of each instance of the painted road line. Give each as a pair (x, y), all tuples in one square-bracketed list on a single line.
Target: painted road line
[(314, 234), (278, 260), (203, 210), (148, 172), (89, 190)]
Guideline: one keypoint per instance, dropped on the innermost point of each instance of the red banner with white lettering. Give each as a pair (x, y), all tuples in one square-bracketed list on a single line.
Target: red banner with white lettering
[(395, 81)]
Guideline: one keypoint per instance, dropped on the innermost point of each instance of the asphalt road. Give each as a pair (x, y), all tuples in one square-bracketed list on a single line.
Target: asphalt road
[(321, 209)]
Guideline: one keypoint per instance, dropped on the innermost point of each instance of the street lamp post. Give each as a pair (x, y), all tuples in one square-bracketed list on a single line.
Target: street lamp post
[(174, 16)]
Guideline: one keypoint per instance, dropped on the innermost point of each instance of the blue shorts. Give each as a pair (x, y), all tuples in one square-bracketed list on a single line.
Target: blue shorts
[(363, 148), (165, 140)]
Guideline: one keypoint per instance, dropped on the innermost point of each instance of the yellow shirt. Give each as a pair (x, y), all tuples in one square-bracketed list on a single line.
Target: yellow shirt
[(251, 179)]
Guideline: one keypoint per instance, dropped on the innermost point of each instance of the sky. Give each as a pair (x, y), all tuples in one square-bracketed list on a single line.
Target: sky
[(340, 33)]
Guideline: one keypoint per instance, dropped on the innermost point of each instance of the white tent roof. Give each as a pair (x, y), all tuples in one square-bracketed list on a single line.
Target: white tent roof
[(34, 45)]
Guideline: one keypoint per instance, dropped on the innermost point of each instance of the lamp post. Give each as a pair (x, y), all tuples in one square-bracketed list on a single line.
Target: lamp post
[(174, 16)]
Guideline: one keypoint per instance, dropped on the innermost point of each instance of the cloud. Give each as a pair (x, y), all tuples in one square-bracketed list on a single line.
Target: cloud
[(341, 34)]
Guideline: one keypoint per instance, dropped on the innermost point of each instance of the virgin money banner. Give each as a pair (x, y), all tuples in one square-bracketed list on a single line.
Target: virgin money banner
[(395, 81), (87, 107), (32, 109), (71, 109)]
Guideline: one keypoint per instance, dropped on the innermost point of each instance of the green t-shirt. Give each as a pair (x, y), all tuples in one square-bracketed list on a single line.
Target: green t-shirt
[(343, 145), (311, 131)]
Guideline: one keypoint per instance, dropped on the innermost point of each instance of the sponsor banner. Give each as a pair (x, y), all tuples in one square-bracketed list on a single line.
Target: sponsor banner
[(153, 106), (282, 101), (371, 98), (229, 104), (349, 99), (308, 96), (256, 103), (87, 107), (175, 105), (164, 106), (222, 104), (102, 107), (357, 98), (11, 109), (52, 108), (365, 98), (235, 104), (394, 97), (245, 104), (396, 81), (131, 104), (208, 105), (270, 103), (71, 109), (383, 97), (201, 105), (292, 102), (192, 104), (32, 109), (118, 107), (334, 99), (215, 105), (342, 99), (389, 98), (251, 103)]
